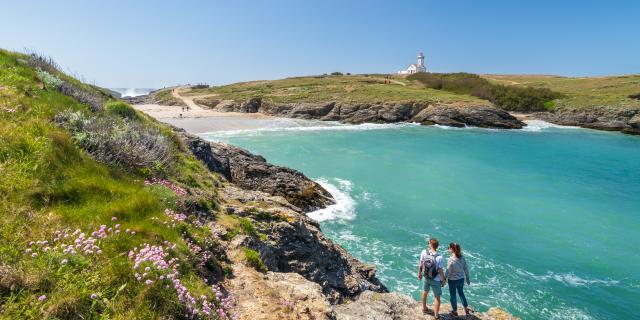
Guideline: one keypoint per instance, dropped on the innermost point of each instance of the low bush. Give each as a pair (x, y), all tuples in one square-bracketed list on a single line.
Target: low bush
[(247, 227), (122, 110), (200, 86), (635, 96), (118, 142), (42, 62), (337, 73), (254, 260), (507, 97)]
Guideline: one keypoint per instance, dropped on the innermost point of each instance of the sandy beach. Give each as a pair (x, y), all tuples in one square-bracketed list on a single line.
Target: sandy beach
[(197, 119)]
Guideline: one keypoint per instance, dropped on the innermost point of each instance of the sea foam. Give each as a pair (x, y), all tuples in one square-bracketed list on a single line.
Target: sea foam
[(345, 206)]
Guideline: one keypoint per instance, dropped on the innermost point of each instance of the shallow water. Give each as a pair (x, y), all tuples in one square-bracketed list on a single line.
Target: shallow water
[(548, 217)]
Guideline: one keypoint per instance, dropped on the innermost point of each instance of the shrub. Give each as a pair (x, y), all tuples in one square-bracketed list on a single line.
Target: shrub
[(635, 96), (39, 61), (118, 142), (122, 110), (247, 227), (507, 97), (254, 260), (200, 86), (337, 73), (91, 98)]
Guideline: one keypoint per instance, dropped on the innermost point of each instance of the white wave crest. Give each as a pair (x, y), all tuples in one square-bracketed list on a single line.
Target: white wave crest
[(539, 125), (570, 279), (132, 92), (345, 206), (308, 125)]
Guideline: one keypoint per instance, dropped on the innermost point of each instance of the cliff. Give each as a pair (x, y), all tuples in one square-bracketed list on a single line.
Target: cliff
[(108, 213)]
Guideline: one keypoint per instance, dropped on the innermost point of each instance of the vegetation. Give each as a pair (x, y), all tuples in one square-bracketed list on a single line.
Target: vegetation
[(122, 110), (507, 97), (165, 97), (59, 188), (605, 93), (253, 259), (356, 89)]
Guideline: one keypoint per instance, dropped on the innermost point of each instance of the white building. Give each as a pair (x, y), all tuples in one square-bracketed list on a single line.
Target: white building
[(415, 67)]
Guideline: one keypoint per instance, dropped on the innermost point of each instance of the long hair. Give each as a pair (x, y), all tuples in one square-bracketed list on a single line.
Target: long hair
[(457, 251)]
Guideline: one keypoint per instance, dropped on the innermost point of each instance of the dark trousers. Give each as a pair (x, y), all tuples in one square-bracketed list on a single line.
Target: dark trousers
[(457, 286)]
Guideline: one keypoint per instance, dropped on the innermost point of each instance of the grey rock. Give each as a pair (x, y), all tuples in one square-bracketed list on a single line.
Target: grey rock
[(253, 172), (301, 247)]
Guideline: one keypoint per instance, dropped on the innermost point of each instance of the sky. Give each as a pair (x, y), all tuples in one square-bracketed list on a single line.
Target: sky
[(151, 44)]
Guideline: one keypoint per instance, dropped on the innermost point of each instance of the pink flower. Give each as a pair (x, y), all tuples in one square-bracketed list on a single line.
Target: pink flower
[(42, 297), (114, 218), (93, 296)]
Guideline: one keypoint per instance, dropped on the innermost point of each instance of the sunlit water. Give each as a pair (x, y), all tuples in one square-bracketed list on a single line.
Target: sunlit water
[(548, 217)]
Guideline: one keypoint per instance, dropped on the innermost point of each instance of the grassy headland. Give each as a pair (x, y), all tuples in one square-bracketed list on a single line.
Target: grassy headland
[(585, 93), (356, 89), (96, 224)]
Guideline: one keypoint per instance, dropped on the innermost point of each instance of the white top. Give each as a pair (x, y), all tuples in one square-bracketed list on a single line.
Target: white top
[(423, 257)]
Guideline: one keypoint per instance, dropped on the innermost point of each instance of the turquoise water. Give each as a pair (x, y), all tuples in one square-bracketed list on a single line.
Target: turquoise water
[(548, 219)]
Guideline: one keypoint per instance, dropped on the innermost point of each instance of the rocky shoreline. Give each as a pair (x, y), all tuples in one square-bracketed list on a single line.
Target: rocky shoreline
[(454, 115), (315, 277), (625, 121)]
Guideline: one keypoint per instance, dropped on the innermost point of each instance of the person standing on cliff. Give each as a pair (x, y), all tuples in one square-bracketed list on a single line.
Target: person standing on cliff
[(457, 272), (430, 266)]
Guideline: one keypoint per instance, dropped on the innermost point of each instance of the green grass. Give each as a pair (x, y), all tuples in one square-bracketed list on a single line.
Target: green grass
[(48, 184), (355, 89), (582, 92), (122, 109), (253, 259)]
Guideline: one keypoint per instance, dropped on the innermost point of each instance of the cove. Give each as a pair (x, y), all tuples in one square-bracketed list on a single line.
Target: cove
[(548, 217)]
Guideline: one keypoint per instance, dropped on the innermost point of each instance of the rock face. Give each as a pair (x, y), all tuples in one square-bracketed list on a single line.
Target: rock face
[(485, 117), (451, 115), (602, 118), (302, 248), (253, 172)]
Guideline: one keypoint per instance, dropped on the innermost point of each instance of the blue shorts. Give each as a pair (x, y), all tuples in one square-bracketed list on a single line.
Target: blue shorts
[(436, 285)]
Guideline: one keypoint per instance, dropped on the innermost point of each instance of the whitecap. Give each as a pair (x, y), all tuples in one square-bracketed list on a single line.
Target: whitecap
[(307, 126), (539, 125), (345, 206)]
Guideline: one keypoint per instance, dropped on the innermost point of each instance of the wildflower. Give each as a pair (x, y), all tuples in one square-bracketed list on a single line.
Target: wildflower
[(114, 218), (93, 296), (63, 262), (42, 297)]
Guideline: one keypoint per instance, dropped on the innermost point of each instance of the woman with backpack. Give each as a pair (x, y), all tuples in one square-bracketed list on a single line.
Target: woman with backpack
[(457, 272)]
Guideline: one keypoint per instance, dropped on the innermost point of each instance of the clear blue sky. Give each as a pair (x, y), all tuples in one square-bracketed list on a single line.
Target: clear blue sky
[(158, 43)]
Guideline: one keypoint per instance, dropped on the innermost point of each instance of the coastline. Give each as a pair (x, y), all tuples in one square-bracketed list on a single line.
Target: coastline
[(305, 277)]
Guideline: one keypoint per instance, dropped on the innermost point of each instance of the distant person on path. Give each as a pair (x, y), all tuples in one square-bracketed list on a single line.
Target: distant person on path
[(457, 272), (430, 266)]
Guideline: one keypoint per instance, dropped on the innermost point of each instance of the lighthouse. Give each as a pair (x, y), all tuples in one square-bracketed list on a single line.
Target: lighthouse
[(421, 62), (415, 67)]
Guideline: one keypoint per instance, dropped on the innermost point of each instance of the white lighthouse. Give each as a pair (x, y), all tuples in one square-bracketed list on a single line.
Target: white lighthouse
[(416, 67)]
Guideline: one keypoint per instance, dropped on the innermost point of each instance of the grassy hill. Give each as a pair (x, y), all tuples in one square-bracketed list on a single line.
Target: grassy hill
[(104, 214), (347, 88), (581, 93)]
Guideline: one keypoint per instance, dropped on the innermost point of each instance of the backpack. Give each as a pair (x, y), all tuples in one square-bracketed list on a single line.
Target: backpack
[(429, 266)]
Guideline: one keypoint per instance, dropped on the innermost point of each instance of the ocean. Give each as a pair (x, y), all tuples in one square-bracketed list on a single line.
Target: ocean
[(547, 217)]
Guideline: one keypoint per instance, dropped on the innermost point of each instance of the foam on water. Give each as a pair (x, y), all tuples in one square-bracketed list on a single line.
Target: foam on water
[(132, 92), (289, 125), (345, 206), (539, 125)]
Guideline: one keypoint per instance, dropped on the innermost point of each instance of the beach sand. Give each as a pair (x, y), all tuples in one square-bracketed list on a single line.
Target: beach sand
[(203, 120)]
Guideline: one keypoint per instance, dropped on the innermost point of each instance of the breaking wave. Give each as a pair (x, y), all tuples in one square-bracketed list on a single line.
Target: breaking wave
[(539, 125), (308, 126), (345, 206)]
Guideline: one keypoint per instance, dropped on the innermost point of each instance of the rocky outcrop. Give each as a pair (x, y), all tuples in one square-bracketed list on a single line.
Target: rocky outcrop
[(253, 172), (424, 113), (600, 118), (395, 306), (480, 116), (301, 247)]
